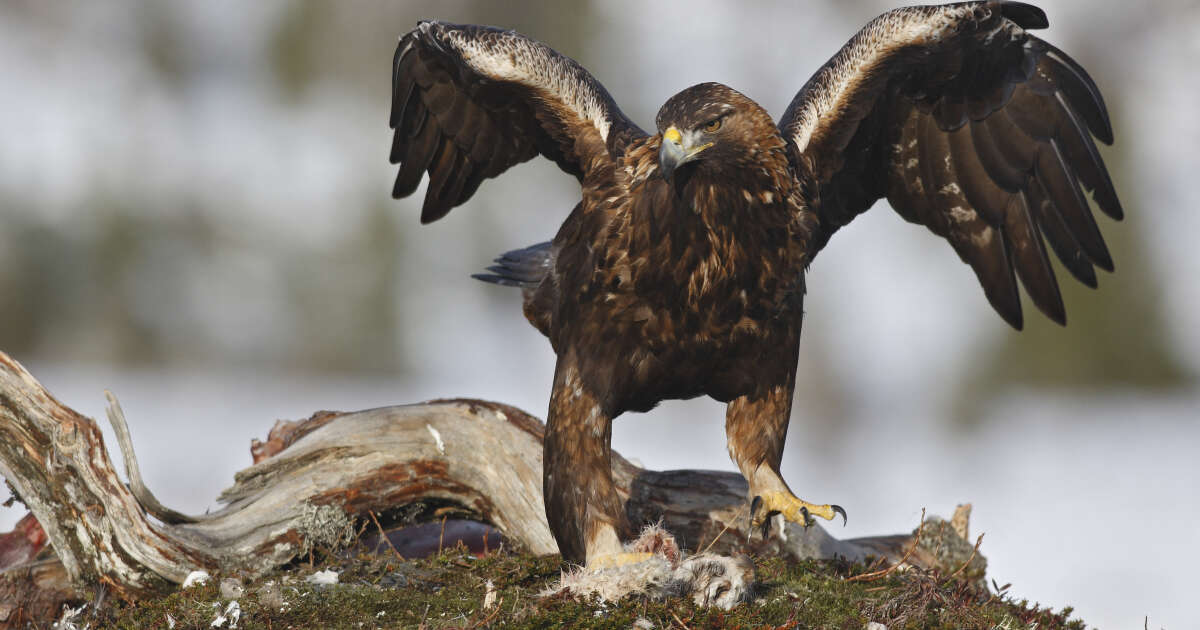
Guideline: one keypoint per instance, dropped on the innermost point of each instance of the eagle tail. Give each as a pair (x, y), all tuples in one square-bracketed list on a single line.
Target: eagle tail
[(523, 268)]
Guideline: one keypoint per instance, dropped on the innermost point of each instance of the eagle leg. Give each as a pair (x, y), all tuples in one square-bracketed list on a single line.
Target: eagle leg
[(755, 427), (584, 511)]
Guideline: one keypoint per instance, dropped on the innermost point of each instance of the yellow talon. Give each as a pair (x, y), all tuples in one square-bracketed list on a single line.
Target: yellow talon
[(793, 509)]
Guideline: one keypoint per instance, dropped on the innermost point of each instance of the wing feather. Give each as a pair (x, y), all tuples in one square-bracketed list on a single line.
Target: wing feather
[(970, 126), (440, 171), (417, 153), (1080, 90), (1031, 263), (1009, 174), (1011, 211), (1061, 240), (470, 102), (1055, 174), (978, 242), (1080, 150), (1013, 140)]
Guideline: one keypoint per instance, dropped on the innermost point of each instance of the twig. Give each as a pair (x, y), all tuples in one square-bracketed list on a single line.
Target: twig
[(875, 575), (136, 485), (384, 535), (490, 617), (680, 622), (361, 528), (964, 565), (727, 526), (442, 535)]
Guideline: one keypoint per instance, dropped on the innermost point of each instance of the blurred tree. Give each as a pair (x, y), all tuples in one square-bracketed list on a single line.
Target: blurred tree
[(159, 37), (297, 44), (28, 298), (344, 301)]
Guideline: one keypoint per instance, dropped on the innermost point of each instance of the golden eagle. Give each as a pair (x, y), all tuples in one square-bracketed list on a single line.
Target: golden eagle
[(680, 272)]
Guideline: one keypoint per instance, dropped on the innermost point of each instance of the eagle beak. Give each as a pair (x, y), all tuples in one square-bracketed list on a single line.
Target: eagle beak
[(677, 150)]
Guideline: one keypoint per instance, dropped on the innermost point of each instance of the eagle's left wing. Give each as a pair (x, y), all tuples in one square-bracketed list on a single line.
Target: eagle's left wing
[(970, 126)]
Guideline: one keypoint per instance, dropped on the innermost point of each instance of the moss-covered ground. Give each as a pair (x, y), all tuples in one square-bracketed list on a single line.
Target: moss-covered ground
[(448, 591)]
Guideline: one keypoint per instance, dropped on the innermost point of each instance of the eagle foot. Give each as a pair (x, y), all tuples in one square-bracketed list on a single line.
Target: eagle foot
[(768, 504)]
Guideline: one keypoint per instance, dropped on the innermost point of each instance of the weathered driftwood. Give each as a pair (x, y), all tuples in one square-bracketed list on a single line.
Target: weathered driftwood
[(313, 480)]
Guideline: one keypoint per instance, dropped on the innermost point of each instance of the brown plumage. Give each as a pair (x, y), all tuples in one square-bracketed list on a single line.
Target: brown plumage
[(681, 271)]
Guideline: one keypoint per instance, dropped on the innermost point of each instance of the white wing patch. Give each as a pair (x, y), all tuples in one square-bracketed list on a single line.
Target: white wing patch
[(508, 56), (835, 84)]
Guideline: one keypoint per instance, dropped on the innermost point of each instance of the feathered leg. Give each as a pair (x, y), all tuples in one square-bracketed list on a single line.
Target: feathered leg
[(582, 506), (755, 427)]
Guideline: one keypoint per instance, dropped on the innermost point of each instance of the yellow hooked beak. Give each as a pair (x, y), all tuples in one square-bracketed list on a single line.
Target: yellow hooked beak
[(677, 149)]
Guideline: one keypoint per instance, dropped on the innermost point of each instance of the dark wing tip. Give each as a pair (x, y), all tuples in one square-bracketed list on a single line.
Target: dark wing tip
[(433, 211), (1013, 316), (1081, 91), (1115, 210), (1088, 278), (1025, 15), (1006, 300), (1055, 311)]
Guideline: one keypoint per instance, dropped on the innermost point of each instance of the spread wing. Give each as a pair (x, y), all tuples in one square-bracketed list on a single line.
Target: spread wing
[(972, 127), (468, 102)]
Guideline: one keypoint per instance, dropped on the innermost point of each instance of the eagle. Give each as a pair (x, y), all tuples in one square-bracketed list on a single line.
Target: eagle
[(681, 270)]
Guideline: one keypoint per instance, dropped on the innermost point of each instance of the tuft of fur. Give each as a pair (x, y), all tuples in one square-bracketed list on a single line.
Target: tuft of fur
[(657, 541), (708, 579)]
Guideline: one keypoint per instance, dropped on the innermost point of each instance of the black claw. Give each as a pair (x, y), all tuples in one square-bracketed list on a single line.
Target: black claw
[(837, 509), (755, 503), (808, 521)]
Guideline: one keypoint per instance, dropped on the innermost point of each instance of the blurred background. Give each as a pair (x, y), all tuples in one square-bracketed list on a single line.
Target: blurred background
[(195, 214)]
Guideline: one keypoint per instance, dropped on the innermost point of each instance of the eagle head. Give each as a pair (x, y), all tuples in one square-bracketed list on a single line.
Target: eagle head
[(712, 126)]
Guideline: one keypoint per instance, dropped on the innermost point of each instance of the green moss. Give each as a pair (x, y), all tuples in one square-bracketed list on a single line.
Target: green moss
[(448, 590)]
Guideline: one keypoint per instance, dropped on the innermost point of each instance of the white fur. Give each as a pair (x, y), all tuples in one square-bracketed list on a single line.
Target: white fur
[(708, 579)]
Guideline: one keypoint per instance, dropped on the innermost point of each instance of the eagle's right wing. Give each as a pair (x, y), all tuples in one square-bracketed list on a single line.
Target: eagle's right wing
[(469, 102)]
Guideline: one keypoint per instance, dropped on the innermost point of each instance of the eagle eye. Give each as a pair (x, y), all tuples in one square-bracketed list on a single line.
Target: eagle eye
[(712, 125)]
